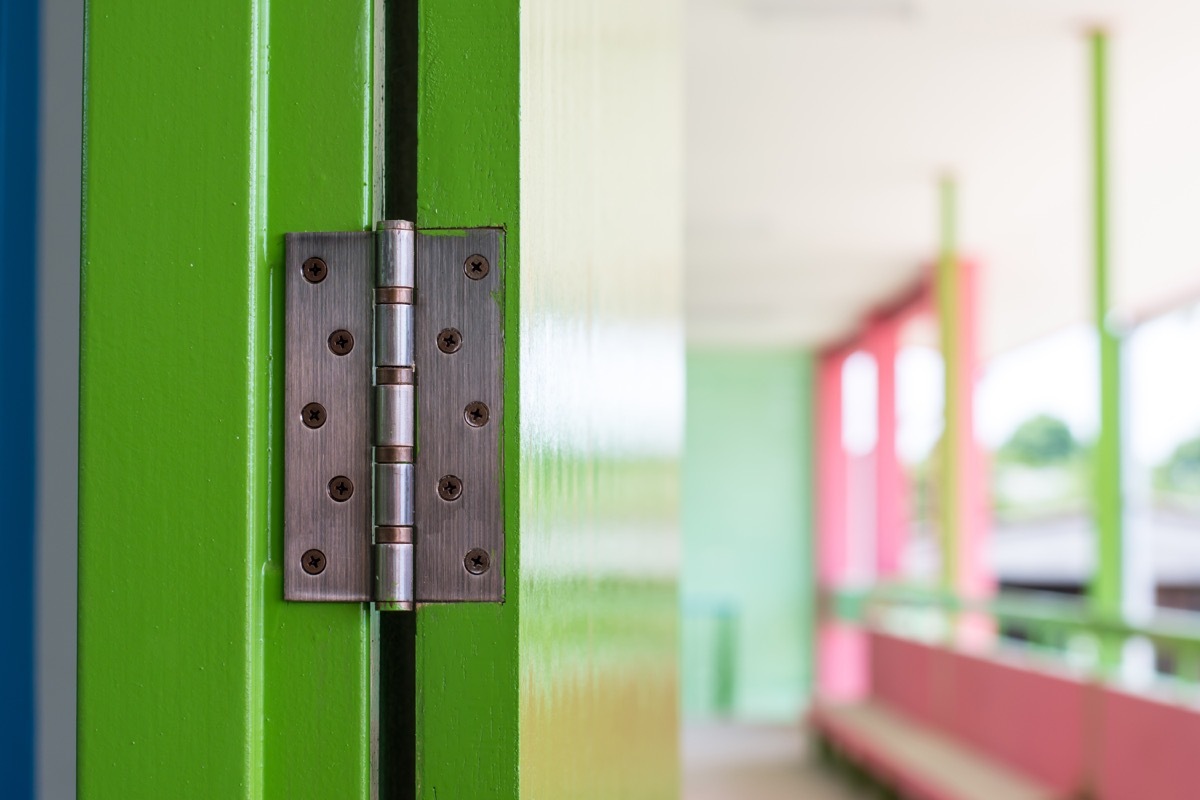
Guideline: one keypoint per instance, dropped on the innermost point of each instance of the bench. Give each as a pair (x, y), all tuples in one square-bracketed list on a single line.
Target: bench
[(946, 725)]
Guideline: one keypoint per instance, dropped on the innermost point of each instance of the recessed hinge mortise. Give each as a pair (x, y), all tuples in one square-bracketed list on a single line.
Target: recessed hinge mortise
[(410, 507)]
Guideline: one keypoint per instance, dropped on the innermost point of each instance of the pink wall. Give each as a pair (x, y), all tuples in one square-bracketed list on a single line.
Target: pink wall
[(841, 648), (974, 578), (831, 473)]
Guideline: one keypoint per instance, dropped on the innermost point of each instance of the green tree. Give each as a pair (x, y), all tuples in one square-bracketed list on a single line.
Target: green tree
[(1182, 469), (1039, 441)]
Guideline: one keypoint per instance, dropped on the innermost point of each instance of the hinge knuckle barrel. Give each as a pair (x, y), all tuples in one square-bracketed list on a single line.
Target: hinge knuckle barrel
[(394, 574), (395, 253), (395, 413), (394, 494), (393, 335)]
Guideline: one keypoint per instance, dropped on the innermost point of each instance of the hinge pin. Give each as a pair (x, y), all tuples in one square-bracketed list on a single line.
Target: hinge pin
[(395, 414)]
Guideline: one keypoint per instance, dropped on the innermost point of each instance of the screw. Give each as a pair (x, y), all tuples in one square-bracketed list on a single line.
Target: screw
[(313, 415), (314, 270), (449, 488), (449, 340), (341, 342), (477, 561), (313, 562), (476, 414), (341, 488), (476, 267)]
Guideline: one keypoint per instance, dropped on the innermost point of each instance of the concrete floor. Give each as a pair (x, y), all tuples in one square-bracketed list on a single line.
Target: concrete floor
[(725, 761)]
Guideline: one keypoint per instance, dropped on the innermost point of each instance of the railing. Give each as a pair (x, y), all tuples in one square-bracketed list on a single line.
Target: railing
[(1043, 624)]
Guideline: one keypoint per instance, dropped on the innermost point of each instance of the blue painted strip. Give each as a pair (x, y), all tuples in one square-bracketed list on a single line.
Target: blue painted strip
[(19, 31)]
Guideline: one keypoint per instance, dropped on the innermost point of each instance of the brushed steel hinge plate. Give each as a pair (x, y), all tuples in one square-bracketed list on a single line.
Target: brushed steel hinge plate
[(455, 540), (457, 534), (327, 417)]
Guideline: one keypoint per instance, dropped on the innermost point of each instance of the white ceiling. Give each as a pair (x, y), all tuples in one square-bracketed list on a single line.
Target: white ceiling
[(817, 130)]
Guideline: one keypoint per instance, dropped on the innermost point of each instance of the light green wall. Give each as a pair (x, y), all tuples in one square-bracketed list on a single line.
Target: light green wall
[(746, 530)]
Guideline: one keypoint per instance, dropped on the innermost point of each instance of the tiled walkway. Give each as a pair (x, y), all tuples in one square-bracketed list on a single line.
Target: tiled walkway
[(745, 762)]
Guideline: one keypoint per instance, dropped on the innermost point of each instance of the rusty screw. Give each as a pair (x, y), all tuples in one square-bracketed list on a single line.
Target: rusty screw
[(313, 415), (315, 270), (449, 340), (476, 267), (450, 488), (341, 488), (341, 342), (476, 414), (477, 561), (313, 562)]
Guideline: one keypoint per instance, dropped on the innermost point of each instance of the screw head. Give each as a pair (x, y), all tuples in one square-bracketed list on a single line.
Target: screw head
[(450, 488), (477, 561), (449, 340), (341, 488), (314, 269), (313, 415), (476, 267), (476, 414), (341, 342), (313, 562)]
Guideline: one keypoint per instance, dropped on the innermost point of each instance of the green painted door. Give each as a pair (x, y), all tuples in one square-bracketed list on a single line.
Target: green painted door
[(211, 130)]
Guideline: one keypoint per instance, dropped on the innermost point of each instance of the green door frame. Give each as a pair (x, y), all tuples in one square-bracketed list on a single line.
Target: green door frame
[(211, 129)]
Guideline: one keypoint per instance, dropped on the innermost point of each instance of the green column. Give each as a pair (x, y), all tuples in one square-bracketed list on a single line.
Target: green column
[(211, 129), (1107, 583)]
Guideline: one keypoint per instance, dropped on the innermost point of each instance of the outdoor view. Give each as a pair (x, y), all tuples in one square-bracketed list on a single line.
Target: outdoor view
[(1037, 419)]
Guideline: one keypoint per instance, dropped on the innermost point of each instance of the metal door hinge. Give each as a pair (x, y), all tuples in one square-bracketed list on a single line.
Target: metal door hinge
[(393, 468)]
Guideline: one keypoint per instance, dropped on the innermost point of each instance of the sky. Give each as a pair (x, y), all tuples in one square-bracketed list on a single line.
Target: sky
[(1056, 375)]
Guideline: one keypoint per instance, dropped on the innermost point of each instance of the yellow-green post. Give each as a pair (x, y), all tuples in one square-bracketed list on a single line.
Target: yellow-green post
[(1105, 592), (949, 325), (962, 484)]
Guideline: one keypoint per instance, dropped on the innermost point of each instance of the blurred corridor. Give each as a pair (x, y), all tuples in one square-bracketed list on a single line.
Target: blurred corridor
[(724, 761), (942, 474)]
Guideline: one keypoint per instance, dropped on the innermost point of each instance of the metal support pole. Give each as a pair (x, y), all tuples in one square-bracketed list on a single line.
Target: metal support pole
[(963, 514), (1107, 588), (1105, 591), (948, 291)]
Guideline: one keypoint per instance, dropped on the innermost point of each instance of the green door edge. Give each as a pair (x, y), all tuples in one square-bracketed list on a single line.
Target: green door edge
[(468, 157)]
